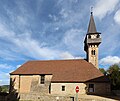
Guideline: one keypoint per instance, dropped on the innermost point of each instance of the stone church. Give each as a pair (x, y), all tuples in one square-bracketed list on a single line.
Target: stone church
[(60, 77)]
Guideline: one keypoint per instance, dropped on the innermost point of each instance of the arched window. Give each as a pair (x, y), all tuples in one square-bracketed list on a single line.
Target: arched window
[(93, 52)]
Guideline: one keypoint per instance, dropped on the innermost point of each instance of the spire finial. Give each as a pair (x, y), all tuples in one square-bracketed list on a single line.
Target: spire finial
[(91, 27), (91, 10)]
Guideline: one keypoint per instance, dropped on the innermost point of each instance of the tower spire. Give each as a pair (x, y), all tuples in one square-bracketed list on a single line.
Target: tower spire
[(91, 27), (91, 42), (91, 10)]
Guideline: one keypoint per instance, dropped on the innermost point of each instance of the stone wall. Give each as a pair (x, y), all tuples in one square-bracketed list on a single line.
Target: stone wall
[(38, 97), (29, 83), (14, 83), (56, 88), (36, 87), (25, 83), (93, 58), (100, 88)]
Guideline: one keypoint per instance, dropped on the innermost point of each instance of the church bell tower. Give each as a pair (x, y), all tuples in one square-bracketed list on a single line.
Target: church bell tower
[(91, 42)]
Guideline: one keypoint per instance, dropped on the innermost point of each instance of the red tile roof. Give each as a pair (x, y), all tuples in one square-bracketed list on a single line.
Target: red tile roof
[(62, 70)]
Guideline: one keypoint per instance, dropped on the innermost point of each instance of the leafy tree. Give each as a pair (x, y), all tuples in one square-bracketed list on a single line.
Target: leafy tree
[(103, 71), (114, 75), (5, 88), (113, 68), (0, 88)]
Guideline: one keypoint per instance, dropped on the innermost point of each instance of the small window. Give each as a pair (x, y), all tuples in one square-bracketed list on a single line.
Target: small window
[(42, 79), (91, 87), (89, 36), (63, 88), (98, 36)]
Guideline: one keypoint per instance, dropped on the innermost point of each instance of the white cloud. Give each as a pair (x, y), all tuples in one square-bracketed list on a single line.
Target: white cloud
[(5, 32), (67, 55), (104, 7), (69, 13), (4, 78), (4, 75), (5, 66), (57, 28), (21, 20), (110, 60), (25, 45), (74, 37), (74, 41), (18, 66), (117, 17), (53, 17), (64, 13), (33, 48), (18, 19)]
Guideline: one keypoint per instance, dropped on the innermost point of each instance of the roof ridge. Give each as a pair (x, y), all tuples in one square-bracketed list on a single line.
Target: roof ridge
[(55, 60)]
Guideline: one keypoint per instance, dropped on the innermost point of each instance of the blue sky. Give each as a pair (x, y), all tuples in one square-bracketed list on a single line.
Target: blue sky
[(55, 29)]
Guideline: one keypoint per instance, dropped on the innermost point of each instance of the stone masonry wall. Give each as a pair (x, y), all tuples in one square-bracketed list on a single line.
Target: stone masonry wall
[(38, 97), (30, 83), (36, 87), (93, 58), (25, 83), (100, 88), (56, 88), (14, 83)]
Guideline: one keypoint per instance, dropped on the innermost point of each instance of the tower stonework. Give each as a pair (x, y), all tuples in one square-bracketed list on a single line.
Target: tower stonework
[(91, 42)]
